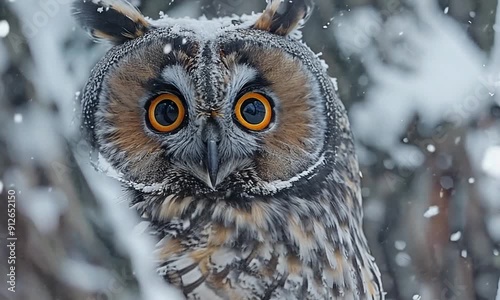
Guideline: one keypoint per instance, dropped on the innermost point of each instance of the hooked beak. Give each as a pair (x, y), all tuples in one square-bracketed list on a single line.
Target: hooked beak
[(212, 161)]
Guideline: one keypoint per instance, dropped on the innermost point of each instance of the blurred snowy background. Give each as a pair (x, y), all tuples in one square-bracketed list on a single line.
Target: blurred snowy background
[(419, 78)]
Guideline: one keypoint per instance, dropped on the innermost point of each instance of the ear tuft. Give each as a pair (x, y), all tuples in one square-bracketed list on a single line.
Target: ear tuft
[(283, 16), (114, 20)]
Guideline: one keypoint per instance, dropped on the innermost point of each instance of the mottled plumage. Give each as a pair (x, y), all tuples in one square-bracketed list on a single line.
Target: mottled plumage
[(241, 211)]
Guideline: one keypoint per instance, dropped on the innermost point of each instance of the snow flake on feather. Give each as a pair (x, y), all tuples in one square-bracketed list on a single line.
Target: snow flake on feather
[(209, 29)]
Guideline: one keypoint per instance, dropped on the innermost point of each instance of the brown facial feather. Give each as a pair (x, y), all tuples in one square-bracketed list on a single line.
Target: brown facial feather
[(285, 146), (126, 86)]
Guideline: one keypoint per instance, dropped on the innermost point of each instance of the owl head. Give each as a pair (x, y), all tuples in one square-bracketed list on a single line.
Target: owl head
[(234, 106)]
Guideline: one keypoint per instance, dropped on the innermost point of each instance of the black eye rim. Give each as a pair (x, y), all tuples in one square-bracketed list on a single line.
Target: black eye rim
[(262, 97), (156, 100)]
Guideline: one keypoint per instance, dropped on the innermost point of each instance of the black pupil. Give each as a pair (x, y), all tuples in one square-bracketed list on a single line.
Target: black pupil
[(253, 111), (166, 112)]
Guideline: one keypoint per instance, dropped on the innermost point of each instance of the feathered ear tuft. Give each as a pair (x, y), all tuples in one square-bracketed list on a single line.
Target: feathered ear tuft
[(114, 20), (283, 16)]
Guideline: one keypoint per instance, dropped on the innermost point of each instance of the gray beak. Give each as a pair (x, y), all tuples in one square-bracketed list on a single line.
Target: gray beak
[(212, 161)]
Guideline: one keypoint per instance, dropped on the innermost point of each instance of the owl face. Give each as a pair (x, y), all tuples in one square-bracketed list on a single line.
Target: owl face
[(212, 107)]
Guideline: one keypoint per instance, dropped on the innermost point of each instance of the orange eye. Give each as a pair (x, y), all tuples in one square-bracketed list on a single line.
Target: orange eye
[(253, 111), (166, 112)]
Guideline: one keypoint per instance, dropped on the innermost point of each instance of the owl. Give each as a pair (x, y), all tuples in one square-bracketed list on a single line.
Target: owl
[(231, 141)]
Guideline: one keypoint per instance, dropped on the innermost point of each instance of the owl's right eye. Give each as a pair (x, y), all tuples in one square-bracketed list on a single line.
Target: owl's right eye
[(166, 112), (253, 111)]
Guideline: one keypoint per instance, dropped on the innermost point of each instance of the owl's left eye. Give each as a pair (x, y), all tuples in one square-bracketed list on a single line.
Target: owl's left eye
[(166, 112), (253, 111)]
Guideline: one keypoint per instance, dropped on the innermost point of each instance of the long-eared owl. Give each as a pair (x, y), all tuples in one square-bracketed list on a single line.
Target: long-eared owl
[(232, 142)]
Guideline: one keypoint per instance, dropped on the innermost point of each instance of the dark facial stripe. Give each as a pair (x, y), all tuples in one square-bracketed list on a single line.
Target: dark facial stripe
[(258, 83), (206, 72), (239, 47), (245, 57), (208, 79), (182, 52)]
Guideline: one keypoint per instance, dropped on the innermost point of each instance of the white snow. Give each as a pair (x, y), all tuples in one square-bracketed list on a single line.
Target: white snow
[(139, 246), (431, 212), (141, 228), (455, 236), (354, 29), (18, 118), (463, 253), (46, 34), (335, 83), (491, 162), (43, 208), (40, 135), (478, 143), (167, 49), (4, 28), (403, 259), (203, 28), (433, 69), (493, 224), (498, 291), (400, 245), (426, 65), (85, 276), (277, 185)]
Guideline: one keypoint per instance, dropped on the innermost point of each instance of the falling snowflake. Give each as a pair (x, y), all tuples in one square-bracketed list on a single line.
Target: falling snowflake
[(491, 162), (4, 28), (400, 245), (455, 236), (167, 49), (18, 118), (431, 212)]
